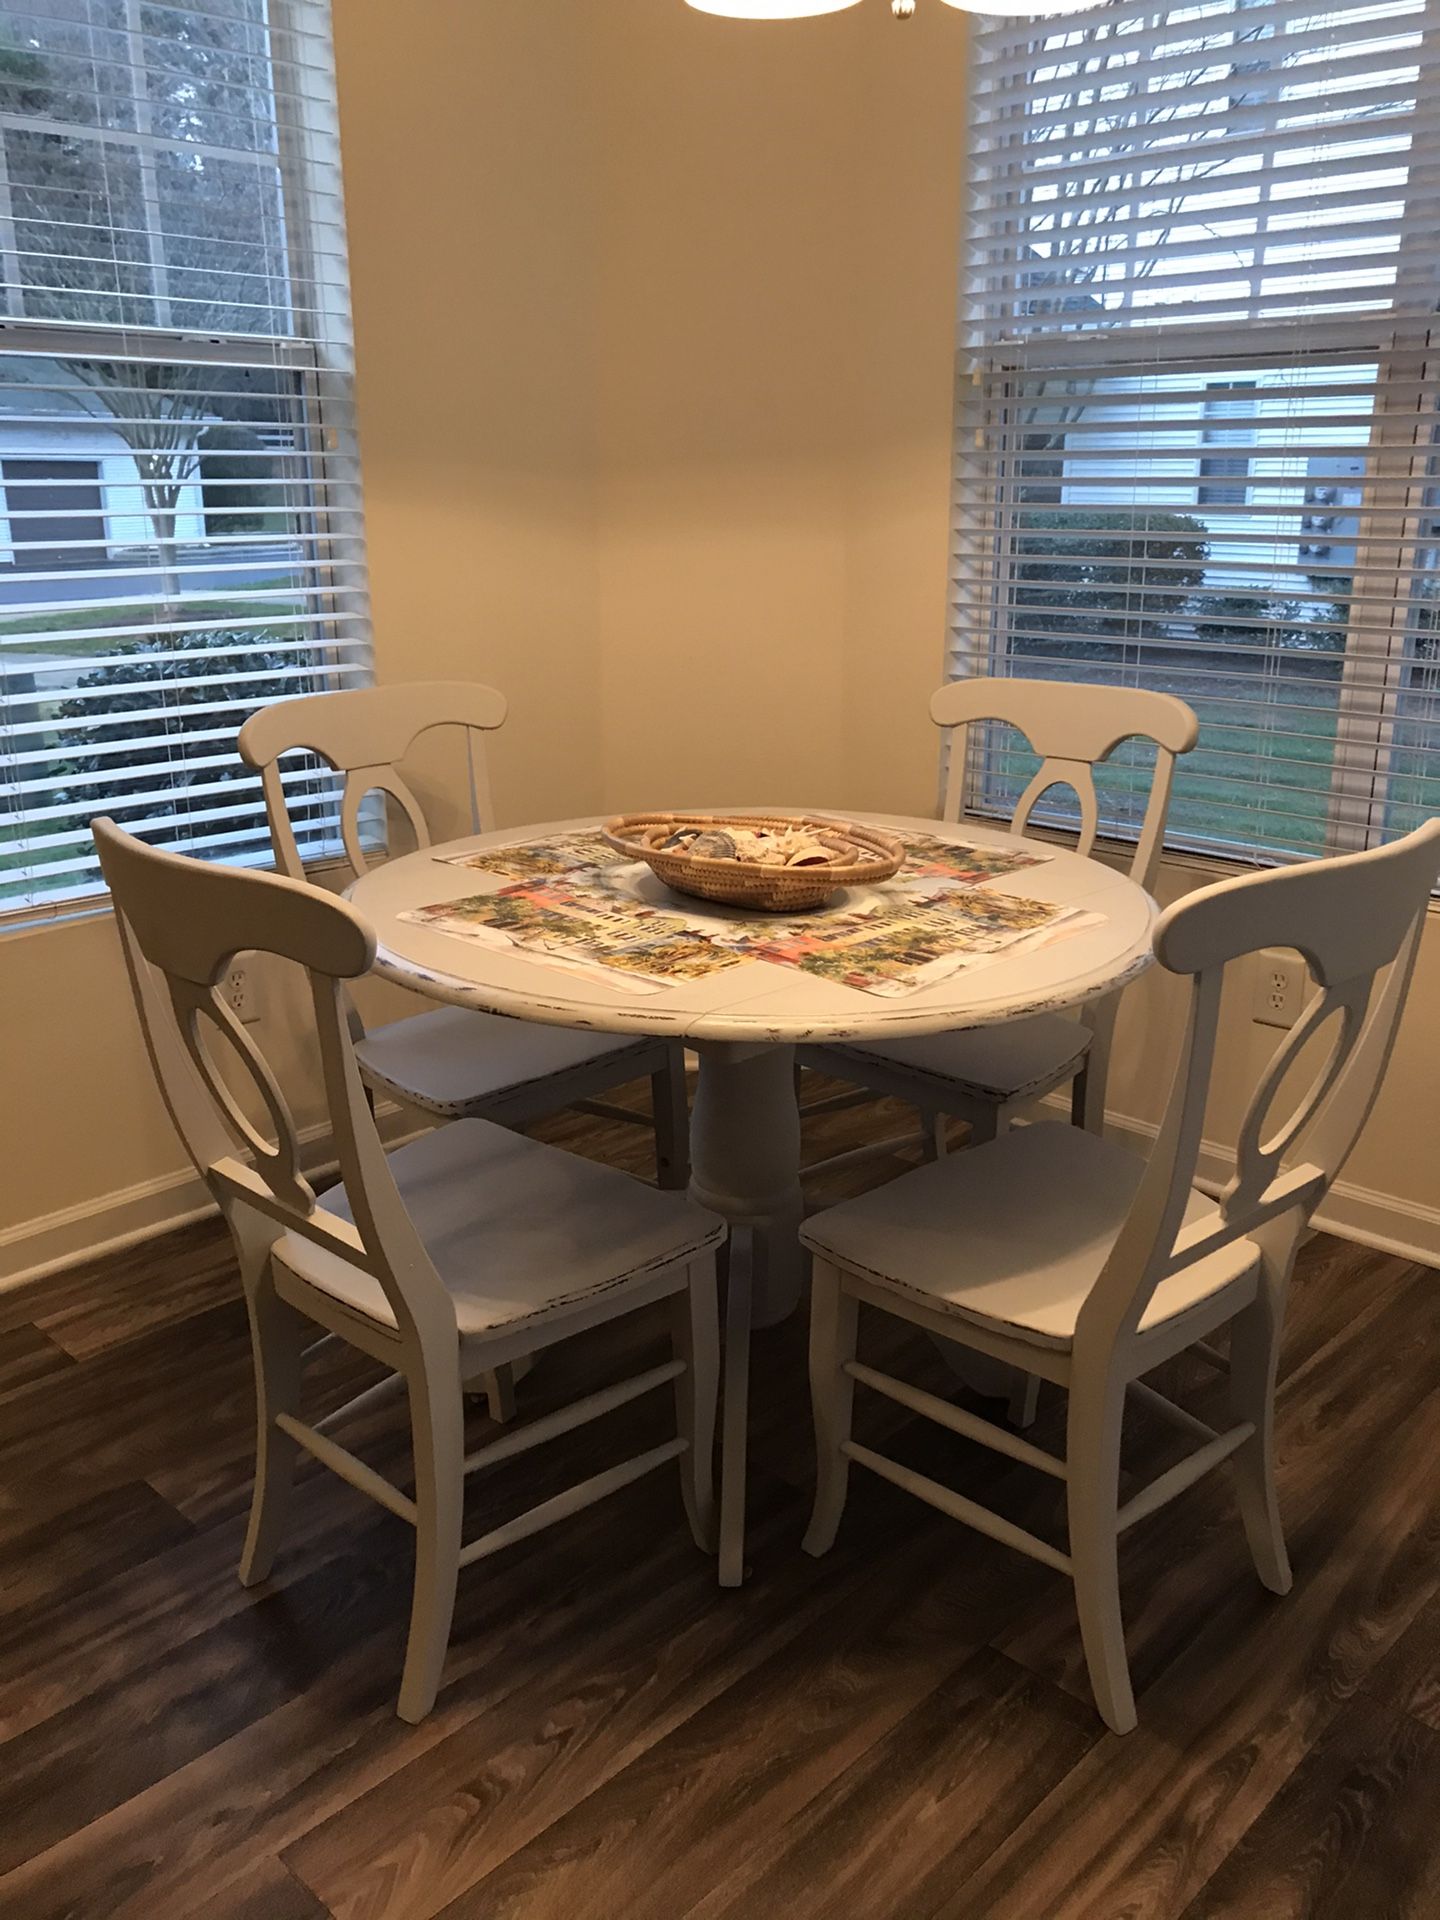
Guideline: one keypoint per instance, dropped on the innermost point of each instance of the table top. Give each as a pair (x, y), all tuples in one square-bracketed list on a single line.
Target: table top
[(758, 1001)]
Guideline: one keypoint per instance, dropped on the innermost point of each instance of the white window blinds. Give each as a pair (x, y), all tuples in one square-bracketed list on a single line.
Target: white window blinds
[(180, 531), (1197, 445)]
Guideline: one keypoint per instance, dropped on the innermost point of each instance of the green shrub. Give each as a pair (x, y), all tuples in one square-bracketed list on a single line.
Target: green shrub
[(179, 697)]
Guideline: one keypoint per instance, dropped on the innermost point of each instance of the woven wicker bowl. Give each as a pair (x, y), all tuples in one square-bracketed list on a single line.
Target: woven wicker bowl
[(863, 857)]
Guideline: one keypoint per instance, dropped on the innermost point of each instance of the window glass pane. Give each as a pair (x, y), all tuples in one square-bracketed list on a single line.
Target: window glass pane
[(146, 188), (162, 575), (180, 529), (1201, 312), (1121, 575)]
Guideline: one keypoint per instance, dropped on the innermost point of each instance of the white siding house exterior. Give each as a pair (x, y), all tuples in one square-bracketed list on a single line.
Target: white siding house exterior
[(1238, 460), (46, 442)]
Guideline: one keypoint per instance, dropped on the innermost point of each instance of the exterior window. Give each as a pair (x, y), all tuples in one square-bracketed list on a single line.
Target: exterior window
[(1198, 444), (180, 532), (55, 512), (1223, 475)]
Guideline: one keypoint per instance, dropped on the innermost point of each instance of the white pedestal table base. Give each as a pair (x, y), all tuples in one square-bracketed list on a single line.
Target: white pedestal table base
[(745, 1166)]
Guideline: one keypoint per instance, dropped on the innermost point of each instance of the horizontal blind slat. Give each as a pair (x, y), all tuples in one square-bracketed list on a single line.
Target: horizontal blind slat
[(1198, 447), (180, 518)]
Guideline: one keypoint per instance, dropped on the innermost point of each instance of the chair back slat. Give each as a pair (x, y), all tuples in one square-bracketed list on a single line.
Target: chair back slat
[(201, 1013), (1355, 919), (363, 732), (1072, 727), (360, 783), (1079, 776), (181, 923)]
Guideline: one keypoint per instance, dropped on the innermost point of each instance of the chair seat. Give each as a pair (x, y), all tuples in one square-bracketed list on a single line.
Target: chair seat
[(1006, 1062), (518, 1231), (452, 1061), (1013, 1235)]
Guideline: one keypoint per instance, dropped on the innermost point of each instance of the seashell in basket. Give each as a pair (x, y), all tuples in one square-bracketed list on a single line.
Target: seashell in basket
[(712, 846), (779, 863)]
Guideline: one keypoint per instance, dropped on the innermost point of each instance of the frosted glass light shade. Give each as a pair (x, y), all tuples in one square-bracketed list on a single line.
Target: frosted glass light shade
[(773, 9)]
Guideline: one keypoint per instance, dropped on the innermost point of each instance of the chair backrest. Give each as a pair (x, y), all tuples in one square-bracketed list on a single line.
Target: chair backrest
[(362, 732), (1353, 919), (181, 922), (1072, 727)]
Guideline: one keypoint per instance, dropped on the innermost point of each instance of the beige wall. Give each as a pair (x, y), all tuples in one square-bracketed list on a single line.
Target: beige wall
[(468, 151), (724, 281), (654, 317), (779, 223), (468, 147)]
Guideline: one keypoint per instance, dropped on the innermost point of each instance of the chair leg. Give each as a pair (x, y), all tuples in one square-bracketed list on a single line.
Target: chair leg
[(437, 1429), (1024, 1400), (277, 1335), (1088, 1088), (1093, 1491), (672, 1121), (1254, 1357), (936, 1128), (735, 1434), (498, 1387), (833, 1318), (695, 1333)]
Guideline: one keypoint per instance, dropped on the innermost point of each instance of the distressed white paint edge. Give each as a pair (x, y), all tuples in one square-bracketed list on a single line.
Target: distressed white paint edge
[(1365, 1215), (38, 1248)]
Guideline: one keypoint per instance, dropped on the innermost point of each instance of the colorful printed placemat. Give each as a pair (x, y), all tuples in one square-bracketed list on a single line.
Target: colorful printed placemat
[(891, 941), (929, 938), (928, 856), (571, 923), (541, 859)]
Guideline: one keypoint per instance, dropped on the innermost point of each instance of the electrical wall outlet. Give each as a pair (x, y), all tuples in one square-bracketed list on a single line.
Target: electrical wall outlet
[(1282, 983), (240, 989)]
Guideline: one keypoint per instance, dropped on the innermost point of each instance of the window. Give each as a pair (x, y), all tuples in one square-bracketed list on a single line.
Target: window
[(44, 502), (180, 533), (1198, 433), (1222, 475)]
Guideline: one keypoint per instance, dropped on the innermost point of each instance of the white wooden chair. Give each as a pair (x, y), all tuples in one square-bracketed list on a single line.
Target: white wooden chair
[(1064, 1254), (443, 1260), (447, 1061), (986, 1075)]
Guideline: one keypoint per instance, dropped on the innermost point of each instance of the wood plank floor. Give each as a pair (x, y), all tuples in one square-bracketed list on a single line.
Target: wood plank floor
[(898, 1732)]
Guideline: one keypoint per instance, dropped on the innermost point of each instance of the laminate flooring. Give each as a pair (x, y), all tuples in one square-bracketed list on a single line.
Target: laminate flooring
[(900, 1731)]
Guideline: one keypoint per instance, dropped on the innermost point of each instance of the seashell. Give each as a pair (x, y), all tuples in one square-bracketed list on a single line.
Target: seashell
[(713, 844), (744, 860)]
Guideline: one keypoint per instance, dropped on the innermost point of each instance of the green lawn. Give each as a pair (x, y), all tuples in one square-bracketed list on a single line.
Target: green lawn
[(1261, 775), (68, 619)]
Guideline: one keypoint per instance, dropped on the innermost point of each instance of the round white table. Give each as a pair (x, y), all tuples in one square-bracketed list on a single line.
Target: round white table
[(744, 1021)]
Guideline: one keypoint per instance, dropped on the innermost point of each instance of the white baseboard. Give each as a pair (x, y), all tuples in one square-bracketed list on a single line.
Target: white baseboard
[(1363, 1214), (34, 1249)]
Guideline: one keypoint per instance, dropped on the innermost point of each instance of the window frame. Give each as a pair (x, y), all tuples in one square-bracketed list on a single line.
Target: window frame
[(1052, 80), (1401, 465), (320, 358)]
